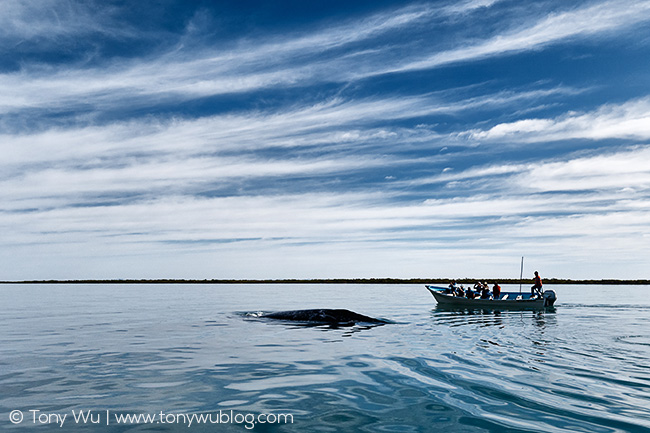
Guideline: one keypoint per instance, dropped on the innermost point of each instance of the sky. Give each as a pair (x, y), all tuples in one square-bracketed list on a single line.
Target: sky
[(324, 139)]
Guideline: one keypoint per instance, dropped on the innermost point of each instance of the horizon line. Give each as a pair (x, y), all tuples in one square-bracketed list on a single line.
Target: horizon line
[(547, 281)]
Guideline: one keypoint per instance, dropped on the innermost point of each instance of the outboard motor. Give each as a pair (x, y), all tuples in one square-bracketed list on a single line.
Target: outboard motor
[(549, 298)]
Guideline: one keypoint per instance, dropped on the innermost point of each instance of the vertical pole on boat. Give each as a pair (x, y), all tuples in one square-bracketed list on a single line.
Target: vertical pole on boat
[(521, 273)]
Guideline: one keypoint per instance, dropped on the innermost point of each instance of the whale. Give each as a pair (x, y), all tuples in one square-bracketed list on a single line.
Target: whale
[(323, 316)]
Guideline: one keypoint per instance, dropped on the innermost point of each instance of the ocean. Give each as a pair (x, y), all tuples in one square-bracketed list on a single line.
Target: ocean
[(197, 358)]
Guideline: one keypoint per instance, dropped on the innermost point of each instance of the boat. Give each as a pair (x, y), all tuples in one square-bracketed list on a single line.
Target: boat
[(506, 300)]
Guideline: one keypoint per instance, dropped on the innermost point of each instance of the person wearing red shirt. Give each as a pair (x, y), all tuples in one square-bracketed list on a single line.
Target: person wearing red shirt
[(496, 291), (536, 289)]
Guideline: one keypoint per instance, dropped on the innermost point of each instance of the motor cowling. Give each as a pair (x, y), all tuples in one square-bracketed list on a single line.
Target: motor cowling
[(549, 298)]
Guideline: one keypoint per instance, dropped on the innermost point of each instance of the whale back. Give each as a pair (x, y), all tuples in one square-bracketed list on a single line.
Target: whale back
[(323, 316)]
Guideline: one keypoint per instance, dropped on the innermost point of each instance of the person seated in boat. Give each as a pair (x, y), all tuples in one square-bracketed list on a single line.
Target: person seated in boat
[(469, 293), (485, 292), (496, 290), (460, 291), (478, 286), (451, 289), (536, 289)]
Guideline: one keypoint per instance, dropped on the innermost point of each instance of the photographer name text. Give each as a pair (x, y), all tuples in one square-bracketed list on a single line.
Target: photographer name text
[(107, 417)]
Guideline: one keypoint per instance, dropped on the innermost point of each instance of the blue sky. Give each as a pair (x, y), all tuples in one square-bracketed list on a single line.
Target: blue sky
[(244, 139)]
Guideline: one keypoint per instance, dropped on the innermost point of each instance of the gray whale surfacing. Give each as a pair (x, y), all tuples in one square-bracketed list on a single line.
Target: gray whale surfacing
[(325, 316)]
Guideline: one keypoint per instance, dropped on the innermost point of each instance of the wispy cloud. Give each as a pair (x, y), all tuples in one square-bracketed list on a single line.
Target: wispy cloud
[(296, 60), (249, 65), (47, 20), (331, 125), (625, 172), (560, 227), (598, 19), (629, 120)]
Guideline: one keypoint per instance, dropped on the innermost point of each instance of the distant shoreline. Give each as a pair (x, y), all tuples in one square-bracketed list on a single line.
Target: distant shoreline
[(444, 281)]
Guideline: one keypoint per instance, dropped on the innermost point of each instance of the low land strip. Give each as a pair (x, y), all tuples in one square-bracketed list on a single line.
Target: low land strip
[(433, 281)]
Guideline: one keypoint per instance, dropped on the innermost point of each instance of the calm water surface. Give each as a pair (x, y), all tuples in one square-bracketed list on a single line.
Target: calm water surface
[(182, 349)]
